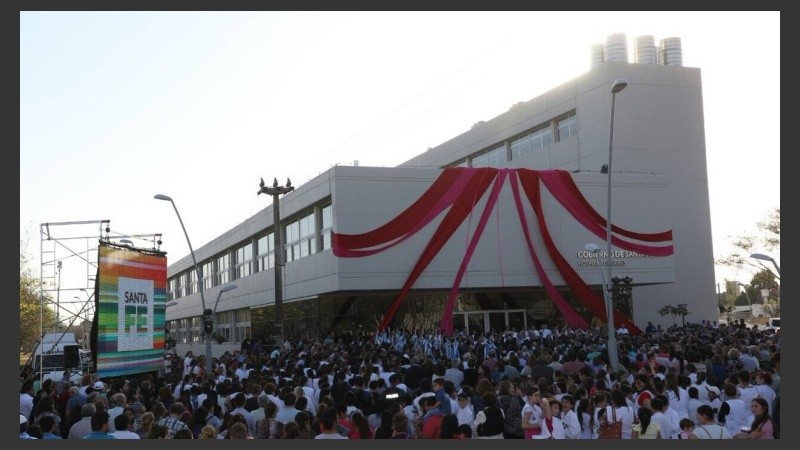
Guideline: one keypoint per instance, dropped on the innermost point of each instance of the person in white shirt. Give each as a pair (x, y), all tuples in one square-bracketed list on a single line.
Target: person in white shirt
[(26, 399), (532, 411), (124, 428), (623, 411), (733, 412), (663, 421), (714, 400), (677, 396), (569, 418), (552, 426), (694, 401), (706, 427), (674, 418), (764, 389), (464, 411)]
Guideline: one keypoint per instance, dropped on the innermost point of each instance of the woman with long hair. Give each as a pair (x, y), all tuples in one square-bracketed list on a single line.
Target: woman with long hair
[(269, 427), (146, 422), (361, 428), (303, 421), (449, 429), (385, 430), (762, 426), (586, 417), (646, 429), (644, 391)]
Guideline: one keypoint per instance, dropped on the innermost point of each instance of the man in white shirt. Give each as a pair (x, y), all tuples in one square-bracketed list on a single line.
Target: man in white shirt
[(124, 428), (663, 421), (26, 399)]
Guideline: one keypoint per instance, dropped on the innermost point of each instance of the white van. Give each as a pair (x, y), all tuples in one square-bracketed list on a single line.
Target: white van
[(774, 323), (49, 354)]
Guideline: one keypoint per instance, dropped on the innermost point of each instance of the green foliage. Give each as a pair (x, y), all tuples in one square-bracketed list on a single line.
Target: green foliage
[(30, 305), (675, 311), (767, 238)]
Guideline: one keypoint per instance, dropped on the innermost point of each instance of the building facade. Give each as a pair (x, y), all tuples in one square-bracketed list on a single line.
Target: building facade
[(483, 261)]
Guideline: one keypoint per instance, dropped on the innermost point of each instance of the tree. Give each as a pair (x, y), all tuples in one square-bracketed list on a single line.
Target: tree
[(768, 238), (683, 311), (30, 305), (669, 309)]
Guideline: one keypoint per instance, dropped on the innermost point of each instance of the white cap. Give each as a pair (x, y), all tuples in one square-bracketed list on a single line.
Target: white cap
[(713, 389), (22, 419), (99, 385)]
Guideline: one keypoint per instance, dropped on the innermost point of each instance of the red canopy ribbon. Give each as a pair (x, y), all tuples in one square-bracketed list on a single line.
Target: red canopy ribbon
[(444, 191), (530, 183), (574, 202), (571, 316), (477, 185), (447, 322), (562, 181)]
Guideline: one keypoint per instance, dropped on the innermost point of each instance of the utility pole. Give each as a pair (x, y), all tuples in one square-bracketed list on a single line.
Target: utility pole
[(276, 191)]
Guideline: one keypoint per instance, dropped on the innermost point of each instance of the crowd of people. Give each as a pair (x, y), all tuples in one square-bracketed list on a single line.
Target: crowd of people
[(699, 381)]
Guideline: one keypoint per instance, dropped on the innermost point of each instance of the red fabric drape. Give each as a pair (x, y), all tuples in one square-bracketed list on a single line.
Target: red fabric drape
[(444, 191), (477, 185), (447, 323), (573, 201), (562, 181), (530, 183), (459, 189), (571, 316)]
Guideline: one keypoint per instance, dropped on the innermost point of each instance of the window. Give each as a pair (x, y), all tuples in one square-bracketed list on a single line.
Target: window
[(208, 275), (266, 252), (300, 238), (528, 144), (327, 226), (171, 289), (521, 147), (194, 330), (181, 285), (242, 321), (567, 127), (492, 158), (191, 288), (244, 258), (541, 138), (223, 269)]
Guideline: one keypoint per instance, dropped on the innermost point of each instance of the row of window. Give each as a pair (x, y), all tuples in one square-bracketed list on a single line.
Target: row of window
[(234, 326), (556, 130), (304, 236)]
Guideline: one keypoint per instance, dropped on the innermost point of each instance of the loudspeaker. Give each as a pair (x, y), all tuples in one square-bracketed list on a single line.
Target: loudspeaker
[(71, 357)]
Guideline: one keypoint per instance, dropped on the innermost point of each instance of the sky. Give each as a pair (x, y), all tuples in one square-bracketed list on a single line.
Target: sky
[(116, 107)]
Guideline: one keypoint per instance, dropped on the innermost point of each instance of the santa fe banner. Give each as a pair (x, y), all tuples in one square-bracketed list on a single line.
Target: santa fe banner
[(130, 309)]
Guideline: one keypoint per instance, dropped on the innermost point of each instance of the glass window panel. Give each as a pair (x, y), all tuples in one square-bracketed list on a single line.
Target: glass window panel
[(208, 275), (567, 127), (266, 257)]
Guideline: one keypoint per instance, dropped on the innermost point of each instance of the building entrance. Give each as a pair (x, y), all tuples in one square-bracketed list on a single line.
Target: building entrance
[(484, 321)]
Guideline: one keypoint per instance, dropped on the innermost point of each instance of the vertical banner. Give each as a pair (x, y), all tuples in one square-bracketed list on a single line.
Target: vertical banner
[(130, 309)]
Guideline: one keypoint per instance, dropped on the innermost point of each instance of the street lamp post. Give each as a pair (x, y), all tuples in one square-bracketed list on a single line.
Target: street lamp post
[(618, 85), (212, 320), (196, 269), (276, 191), (764, 257), (612, 333)]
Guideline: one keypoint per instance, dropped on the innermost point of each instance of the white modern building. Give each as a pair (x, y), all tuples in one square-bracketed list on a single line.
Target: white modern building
[(659, 185)]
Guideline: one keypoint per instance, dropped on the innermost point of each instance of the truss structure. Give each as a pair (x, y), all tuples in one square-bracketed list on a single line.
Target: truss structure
[(68, 267)]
